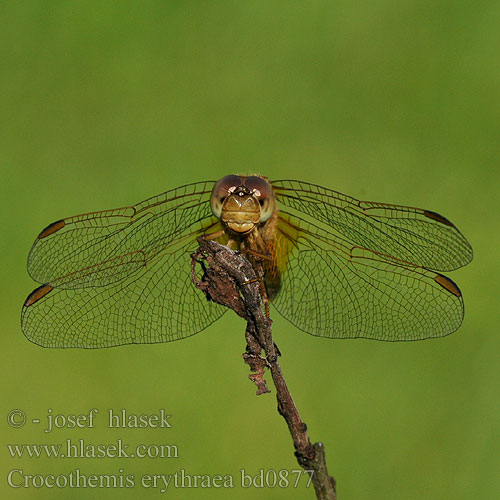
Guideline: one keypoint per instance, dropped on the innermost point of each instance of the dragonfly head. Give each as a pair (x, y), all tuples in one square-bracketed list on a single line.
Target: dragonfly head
[(241, 202)]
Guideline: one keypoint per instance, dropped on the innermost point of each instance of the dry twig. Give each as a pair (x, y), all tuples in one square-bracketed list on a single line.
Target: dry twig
[(229, 279)]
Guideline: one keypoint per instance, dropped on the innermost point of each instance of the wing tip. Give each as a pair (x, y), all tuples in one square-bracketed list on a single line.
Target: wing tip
[(37, 294), (438, 217), (448, 284), (52, 228)]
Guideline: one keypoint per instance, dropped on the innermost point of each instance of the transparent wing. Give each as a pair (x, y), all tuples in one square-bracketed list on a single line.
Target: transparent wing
[(121, 276), (155, 303), (421, 237), (331, 288), (100, 248)]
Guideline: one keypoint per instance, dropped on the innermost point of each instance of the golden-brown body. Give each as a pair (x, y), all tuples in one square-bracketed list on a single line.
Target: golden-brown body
[(247, 208)]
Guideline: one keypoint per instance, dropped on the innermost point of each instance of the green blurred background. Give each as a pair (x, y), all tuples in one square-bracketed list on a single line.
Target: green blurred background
[(107, 103)]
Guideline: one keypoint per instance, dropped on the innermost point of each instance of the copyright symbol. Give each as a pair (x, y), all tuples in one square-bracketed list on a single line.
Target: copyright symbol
[(16, 418)]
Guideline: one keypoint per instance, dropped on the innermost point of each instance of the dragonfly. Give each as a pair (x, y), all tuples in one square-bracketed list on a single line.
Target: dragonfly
[(333, 265)]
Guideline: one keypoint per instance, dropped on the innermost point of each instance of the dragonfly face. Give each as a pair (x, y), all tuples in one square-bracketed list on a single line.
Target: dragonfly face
[(334, 266), (242, 203)]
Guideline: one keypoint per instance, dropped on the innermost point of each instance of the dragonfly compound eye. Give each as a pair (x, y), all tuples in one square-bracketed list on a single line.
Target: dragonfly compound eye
[(262, 190), (221, 190)]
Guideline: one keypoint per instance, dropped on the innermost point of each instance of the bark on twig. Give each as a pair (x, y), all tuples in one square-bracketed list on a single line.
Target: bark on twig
[(229, 279)]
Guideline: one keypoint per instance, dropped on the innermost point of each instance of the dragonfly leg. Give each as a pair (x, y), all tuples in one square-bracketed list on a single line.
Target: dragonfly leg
[(265, 299), (249, 282), (263, 291), (214, 235), (259, 255)]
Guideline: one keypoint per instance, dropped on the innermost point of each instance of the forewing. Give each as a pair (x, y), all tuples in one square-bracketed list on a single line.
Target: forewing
[(100, 248), (330, 288), (420, 237), (156, 303)]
